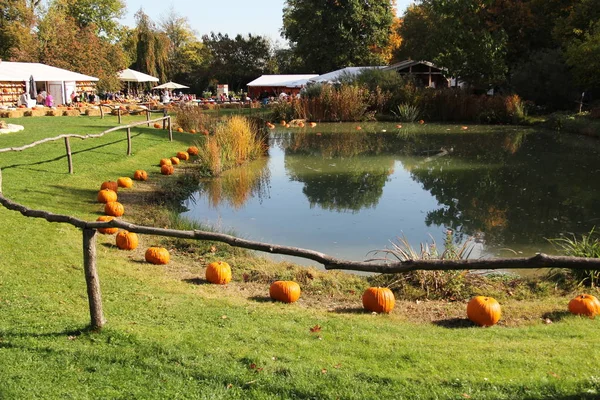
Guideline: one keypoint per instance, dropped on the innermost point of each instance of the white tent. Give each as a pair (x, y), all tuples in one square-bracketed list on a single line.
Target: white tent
[(56, 81), (338, 75), (130, 75), (171, 85)]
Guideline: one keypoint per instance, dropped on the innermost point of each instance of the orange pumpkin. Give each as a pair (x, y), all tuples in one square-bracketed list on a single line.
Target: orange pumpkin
[(313, 124), (183, 155), (484, 311), (285, 291), (193, 151), (107, 231), (165, 161), (125, 182), (157, 255), (167, 170), (421, 122), (174, 160), (585, 304), (114, 208), (218, 272), (192, 131), (110, 185), (126, 240), (179, 130), (106, 196), (157, 125), (378, 299), (140, 175)]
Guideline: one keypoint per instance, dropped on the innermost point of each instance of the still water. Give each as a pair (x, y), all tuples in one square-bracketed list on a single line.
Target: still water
[(347, 192)]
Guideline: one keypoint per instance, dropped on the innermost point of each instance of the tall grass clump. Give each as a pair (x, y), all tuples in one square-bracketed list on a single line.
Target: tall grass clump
[(334, 104), (193, 118), (586, 246), (426, 284), (233, 143), (407, 112)]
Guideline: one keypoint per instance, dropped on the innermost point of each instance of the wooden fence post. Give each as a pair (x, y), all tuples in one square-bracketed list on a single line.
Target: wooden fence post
[(0, 180), (119, 113), (170, 129), (101, 112), (165, 113), (69, 155), (91, 278), (148, 115), (128, 141)]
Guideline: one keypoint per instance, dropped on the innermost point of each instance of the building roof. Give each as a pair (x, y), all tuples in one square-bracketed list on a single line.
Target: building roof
[(335, 76), (410, 63), (21, 71), (282, 80)]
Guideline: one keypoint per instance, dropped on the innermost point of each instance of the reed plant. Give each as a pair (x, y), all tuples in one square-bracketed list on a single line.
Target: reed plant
[(407, 113), (233, 143), (588, 245), (194, 118)]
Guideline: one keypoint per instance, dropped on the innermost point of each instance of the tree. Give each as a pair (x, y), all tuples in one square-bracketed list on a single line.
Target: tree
[(329, 35), (185, 50), (239, 60), (101, 15), (65, 44), (16, 23), (152, 48), (455, 34)]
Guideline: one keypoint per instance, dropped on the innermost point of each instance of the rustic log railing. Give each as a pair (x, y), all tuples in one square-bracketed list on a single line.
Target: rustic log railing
[(146, 110), (330, 263), (166, 120)]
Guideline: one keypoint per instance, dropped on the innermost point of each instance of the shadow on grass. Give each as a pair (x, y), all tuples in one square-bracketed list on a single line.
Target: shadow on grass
[(67, 332), (261, 299), (454, 323), (350, 310), (556, 316), (196, 281)]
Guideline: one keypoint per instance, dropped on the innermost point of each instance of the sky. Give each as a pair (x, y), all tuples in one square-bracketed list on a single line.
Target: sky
[(260, 17)]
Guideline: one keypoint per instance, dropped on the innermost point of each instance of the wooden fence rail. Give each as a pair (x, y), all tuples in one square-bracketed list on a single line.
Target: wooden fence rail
[(67, 137), (330, 263)]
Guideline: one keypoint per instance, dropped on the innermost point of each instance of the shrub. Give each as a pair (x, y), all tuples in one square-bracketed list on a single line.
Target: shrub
[(233, 143), (192, 118), (408, 113)]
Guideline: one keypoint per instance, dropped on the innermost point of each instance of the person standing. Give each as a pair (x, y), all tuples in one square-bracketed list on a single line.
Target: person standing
[(49, 100)]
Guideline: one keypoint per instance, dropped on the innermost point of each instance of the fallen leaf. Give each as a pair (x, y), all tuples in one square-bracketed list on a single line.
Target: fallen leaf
[(324, 371), (246, 277), (223, 316), (71, 337), (466, 396), (213, 249), (547, 321), (337, 366), (252, 366), (554, 375), (229, 386), (316, 328)]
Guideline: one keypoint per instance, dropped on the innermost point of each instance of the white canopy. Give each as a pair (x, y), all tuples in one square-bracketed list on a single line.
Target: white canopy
[(171, 85), (21, 71), (289, 81), (130, 75)]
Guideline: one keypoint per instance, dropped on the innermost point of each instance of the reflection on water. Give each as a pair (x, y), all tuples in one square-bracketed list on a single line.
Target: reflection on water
[(350, 192)]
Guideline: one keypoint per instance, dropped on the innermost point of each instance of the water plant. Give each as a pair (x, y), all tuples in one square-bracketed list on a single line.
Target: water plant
[(407, 112), (588, 245)]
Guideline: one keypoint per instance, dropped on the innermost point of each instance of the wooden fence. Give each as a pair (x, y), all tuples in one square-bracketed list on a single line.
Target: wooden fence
[(330, 263)]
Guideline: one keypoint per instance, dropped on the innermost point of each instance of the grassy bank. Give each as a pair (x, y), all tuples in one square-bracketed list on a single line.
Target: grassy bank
[(171, 335)]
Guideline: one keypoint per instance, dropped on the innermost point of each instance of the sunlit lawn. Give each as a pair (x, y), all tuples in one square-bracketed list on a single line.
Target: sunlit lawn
[(169, 338)]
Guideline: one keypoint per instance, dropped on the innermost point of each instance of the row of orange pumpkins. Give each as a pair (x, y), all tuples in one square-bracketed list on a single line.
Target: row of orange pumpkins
[(126, 240)]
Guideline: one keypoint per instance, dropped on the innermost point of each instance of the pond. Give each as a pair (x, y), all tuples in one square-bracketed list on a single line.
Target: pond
[(347, 192)]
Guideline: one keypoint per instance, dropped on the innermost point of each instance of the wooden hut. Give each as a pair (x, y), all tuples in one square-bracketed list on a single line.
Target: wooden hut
[(424, 71)]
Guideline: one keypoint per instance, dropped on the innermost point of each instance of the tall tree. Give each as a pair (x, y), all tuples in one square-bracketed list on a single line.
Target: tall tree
[(186, 52), (17, 19), (239, 60), (101, 15), (328, 35), (66, 44), (456, 35), (152, 48)]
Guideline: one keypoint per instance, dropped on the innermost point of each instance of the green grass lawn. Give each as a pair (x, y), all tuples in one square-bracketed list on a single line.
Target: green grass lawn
[(171, 336)]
